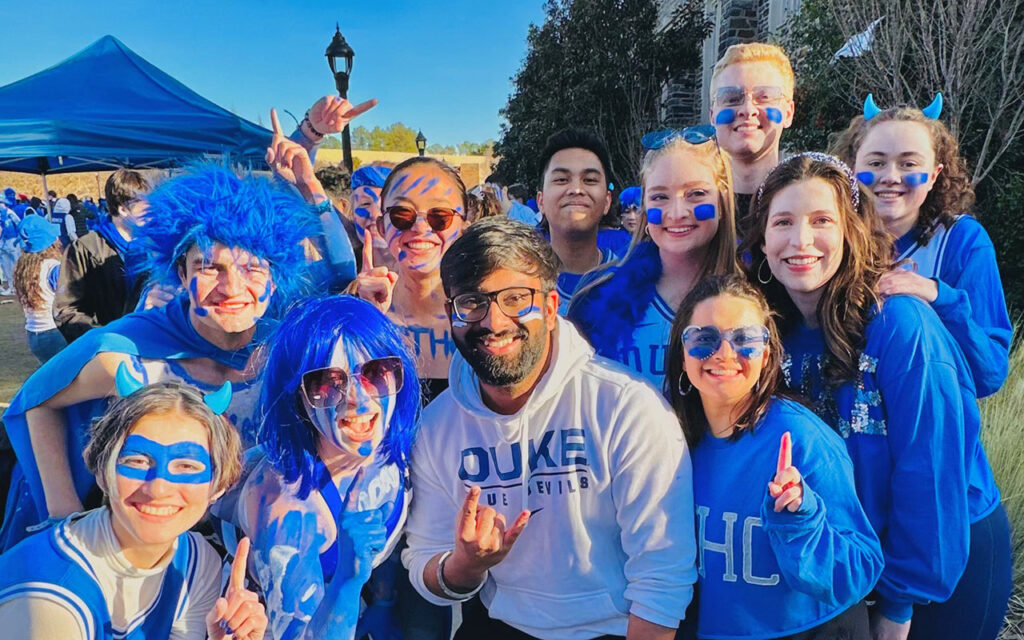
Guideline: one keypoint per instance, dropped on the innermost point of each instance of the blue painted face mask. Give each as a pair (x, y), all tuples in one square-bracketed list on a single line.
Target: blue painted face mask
[(179, 463), (704, 342)]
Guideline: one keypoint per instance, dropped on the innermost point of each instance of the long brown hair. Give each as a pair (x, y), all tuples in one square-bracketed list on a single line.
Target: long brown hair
[(688, 405), (849, 297), (26, 276), (952, 193)]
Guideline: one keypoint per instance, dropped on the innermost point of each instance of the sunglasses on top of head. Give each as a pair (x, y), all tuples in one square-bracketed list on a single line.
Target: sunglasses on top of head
[(328, 387), (403, 217), (693, 135)]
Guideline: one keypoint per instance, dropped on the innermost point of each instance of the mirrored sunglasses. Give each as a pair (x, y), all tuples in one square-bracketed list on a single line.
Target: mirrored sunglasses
[(704, 342), (328, 387)]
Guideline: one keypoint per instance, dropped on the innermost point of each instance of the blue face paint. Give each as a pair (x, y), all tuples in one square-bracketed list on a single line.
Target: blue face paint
[(164, 460), (915, 179), (365, 449), (402, 255), (193, 287), (866, 178), (449, 192), (725, 116), (266, 294), (413, 185), (773, 114), (398, 183), (363, 212), (654, 216), (373, 195), (704, 211), (430, 185)]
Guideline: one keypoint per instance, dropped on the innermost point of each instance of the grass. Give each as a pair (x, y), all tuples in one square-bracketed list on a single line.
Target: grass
[(1002, 434)]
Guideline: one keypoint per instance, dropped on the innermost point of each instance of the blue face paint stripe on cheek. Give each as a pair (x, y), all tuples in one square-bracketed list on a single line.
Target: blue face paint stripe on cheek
[(362, 212), (430, 185), (704, 211), (916, 179), (654, 216), (266, 294), (725, 116), (193, 288), (866, 178), (161, 456), (773, 114)]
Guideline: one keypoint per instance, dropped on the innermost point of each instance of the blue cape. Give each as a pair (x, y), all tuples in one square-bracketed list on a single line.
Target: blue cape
[(163, 333)]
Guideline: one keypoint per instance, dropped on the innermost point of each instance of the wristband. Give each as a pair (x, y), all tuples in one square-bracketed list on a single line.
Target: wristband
[(309, 122), (324, 206), (448, 592)]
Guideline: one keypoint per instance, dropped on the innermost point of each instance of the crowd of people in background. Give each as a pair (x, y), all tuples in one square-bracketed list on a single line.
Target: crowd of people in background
[(736, 400)]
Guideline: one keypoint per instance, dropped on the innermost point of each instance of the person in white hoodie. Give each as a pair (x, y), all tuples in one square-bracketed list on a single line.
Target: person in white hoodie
[(596, 538)]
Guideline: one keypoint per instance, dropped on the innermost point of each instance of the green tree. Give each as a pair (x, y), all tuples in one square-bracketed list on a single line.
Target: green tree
[(396, 137), (598, 64)]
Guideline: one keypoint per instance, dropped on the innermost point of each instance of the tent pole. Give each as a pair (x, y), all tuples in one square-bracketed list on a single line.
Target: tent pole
[(46, 195)]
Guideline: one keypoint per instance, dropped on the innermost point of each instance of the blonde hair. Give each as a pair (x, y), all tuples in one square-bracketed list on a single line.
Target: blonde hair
[(757, 52)]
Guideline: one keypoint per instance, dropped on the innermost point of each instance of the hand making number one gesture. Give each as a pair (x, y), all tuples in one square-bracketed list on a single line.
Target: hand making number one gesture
[(375, 285), (482, 540), (238, 615), (787, 487)]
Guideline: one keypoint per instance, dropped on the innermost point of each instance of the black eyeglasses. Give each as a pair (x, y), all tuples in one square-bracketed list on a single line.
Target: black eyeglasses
[(514, 302), (694, 135), (403, 217), (328, 387)]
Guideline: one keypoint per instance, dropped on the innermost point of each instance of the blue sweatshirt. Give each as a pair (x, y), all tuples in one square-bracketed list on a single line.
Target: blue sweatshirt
[(778, 574), (962, 261), (910, 420)]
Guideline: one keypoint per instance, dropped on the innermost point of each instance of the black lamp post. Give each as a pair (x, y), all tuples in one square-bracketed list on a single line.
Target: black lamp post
[(336, 51), (421, 143)]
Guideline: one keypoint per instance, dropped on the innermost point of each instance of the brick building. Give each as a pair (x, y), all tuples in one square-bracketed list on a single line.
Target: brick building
[(734, 21)]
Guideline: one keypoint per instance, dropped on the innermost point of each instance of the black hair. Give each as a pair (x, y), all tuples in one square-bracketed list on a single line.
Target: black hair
[(573, 138)]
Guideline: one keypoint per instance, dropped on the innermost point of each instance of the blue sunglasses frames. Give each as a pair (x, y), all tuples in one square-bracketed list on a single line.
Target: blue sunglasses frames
[(694, 135), (704, 342)]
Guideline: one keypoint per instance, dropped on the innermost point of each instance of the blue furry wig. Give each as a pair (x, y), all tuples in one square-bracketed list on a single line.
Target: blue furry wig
[(210, 203), (304, 341)]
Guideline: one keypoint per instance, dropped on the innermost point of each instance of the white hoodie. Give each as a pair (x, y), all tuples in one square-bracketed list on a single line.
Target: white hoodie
[(609, 487)]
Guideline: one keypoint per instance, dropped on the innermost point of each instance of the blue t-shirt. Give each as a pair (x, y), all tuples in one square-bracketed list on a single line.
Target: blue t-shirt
[(911, 425), (649, 347), (778, 573), (567, 283), (971, 304)]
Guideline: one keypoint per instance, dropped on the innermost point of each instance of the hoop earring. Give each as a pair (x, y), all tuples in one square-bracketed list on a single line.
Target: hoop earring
[(679, 385), (759, 268)]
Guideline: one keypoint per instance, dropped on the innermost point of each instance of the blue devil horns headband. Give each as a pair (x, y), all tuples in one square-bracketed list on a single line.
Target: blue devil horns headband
[(127, 384), (932, 111)]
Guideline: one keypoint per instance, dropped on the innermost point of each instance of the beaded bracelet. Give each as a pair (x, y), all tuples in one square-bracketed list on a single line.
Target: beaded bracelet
[(309, 122)]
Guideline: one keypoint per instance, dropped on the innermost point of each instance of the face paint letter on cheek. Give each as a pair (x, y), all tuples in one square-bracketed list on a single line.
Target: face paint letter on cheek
[(654, 216), (916, 179), (725, 116), (866, 178), (704, 211), (773, 114), (193, 287), (139, 450)]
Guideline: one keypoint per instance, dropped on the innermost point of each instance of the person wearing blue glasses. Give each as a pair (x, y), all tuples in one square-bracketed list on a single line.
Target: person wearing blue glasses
[(685, 232), (783, 543)]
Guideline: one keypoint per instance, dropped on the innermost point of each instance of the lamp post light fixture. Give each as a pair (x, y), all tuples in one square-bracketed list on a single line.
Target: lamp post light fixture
[(421, 143), (339, 51)]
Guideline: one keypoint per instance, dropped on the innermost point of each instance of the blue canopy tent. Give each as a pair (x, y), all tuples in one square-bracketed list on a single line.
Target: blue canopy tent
[(105, 107)]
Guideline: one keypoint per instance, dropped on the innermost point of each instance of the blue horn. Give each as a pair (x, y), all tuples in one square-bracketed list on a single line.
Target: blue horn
[(219, 400), (934, 110), (870, 108), (125, 383)]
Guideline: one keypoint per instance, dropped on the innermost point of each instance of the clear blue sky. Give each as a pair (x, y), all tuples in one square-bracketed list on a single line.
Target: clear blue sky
[(441, 66)]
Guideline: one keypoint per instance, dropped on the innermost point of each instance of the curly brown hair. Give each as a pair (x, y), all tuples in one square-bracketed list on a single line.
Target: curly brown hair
[(952, 193), (26, 276), (688, 406), (848, 298)]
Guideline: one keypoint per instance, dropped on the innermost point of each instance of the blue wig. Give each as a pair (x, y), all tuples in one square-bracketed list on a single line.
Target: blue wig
[(630, 197), (210, 203), (304, 341)]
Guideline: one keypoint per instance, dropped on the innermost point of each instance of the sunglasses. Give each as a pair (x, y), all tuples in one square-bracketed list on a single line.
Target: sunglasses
[(514, 302), (403, 217), (694, 135), (732, 97), (328, 387), (704, 342)]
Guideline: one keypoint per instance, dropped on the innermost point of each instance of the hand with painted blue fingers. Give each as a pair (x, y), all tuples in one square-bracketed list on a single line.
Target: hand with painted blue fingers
[(238, 615), (368, 536), (331, 114)]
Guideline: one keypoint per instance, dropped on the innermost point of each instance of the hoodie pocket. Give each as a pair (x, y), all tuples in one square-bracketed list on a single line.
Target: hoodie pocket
[(553, 611)]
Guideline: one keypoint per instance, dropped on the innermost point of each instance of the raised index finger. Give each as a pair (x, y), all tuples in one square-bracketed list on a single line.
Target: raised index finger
[(274, 124), (362, 107), (785, 453), (237, 580), (367, 250)]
